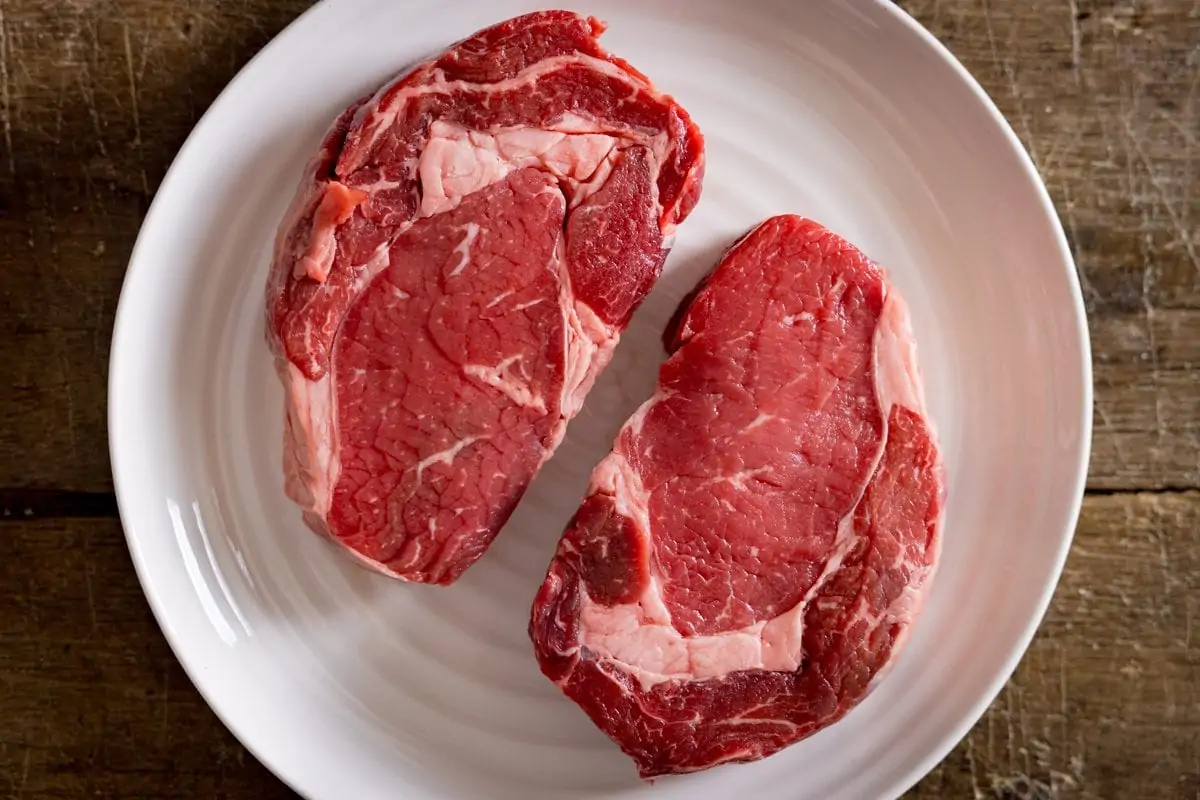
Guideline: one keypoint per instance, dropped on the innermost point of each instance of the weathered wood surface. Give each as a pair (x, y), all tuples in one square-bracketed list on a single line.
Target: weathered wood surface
[(96, 96)]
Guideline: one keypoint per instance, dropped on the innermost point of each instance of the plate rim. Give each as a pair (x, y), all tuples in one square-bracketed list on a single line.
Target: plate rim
[(918, 769)]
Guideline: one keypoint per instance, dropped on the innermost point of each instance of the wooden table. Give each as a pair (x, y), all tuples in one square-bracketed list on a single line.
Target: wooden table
[(95, 99)]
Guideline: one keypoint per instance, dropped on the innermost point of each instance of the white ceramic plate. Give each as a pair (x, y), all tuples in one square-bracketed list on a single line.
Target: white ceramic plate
[(349, 685)]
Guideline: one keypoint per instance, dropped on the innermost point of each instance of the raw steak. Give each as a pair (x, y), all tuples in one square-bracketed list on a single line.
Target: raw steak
[(454, 272), (751, 556)]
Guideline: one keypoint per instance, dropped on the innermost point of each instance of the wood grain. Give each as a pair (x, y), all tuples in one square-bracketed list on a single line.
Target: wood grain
[(1104, 96), (96, 96), (92, 701), (1106, 703), (95, 100)]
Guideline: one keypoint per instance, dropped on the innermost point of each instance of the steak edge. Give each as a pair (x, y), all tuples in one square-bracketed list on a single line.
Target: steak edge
[(749, 560)]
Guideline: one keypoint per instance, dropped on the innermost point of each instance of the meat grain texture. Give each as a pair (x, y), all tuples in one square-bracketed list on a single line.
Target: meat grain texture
[(456, 268), (750, 558)]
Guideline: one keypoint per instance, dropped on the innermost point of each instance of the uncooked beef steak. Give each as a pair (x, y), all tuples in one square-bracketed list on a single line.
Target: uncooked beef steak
[(454, 272), (751, 556)]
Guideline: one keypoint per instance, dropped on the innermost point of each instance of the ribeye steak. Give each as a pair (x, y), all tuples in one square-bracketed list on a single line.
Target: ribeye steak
[(458, 264), (751, 556)]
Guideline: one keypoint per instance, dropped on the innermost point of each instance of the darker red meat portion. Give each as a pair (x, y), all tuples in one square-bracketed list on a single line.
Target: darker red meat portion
[(764, 448), (614, 245), (609, 552), (503, 51)]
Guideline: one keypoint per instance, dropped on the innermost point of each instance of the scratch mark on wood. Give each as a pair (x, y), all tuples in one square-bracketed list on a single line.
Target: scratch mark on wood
[(24, 774), (1182, 233), (1010, 728), (1062, 684), (937, 12), (1169, 707), (1135, 155), (976, 789), (1068, 211), (990, 716), (133, 100), (100, 331), (1152, 339), (1107, 424), (166, 704), (1021, 787), (89, 96), (1187, 623), (69, 394), (87, 579), (1076, 41), (1010, 75), (60, 103), (1065, 135), (91, 596), (991, 34), (6, 95)]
